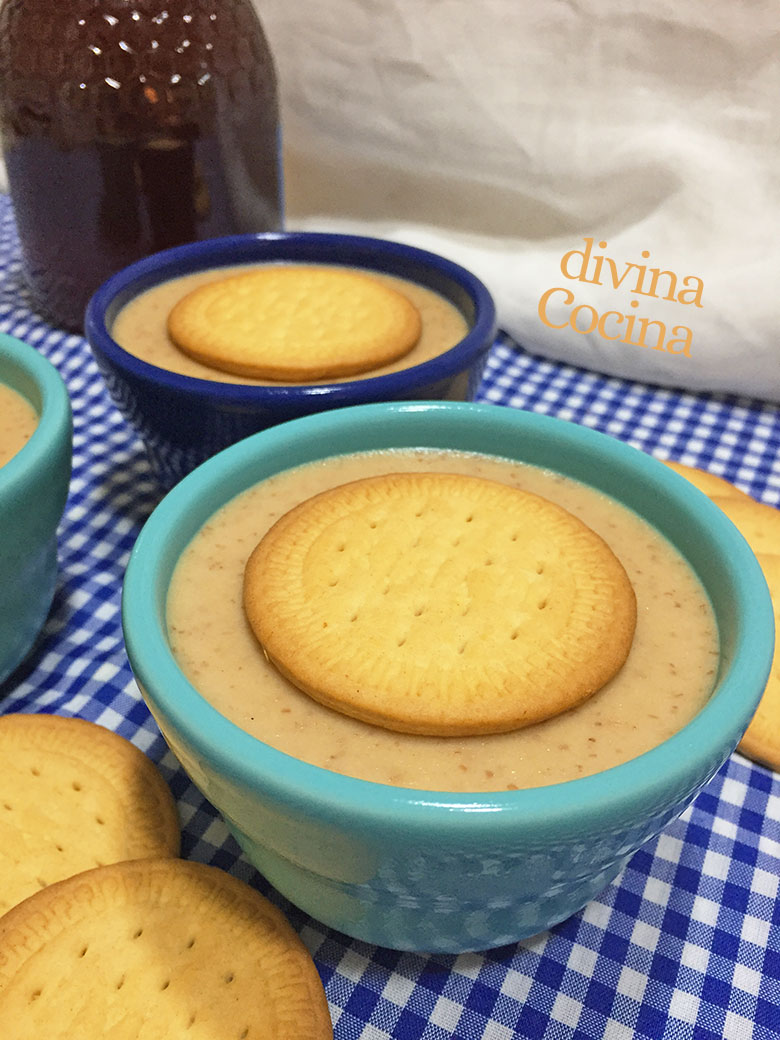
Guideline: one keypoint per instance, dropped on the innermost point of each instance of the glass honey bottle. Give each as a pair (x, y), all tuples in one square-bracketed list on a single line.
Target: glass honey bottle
[(129, 126)]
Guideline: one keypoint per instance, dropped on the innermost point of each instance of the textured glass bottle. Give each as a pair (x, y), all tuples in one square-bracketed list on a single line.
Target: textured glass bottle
[(129, 126)]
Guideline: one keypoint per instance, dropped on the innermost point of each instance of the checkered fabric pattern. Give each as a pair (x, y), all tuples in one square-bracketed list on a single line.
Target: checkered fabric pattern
[(684, 945)]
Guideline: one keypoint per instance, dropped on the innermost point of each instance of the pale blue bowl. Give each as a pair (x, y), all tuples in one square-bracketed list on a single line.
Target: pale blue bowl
[(33, 491), (432, 871)]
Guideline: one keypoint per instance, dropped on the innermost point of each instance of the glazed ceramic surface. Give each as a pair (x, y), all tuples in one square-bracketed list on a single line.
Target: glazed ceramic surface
[(183, 420), (433, 871), (33, 491)]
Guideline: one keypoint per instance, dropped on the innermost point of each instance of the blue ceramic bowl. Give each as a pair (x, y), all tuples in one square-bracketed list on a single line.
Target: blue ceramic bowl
[(183, 420), (33, 491), (434, 871)]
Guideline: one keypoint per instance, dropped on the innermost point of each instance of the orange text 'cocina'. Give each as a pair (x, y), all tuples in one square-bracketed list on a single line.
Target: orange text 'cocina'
[(640, 279)]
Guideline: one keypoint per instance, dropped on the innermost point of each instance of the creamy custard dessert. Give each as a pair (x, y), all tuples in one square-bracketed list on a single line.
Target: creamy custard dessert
[(140, 327), (666, 680), (18, 421)]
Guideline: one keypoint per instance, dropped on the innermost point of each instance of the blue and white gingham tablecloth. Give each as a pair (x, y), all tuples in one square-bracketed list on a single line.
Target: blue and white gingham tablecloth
[(685, 945)]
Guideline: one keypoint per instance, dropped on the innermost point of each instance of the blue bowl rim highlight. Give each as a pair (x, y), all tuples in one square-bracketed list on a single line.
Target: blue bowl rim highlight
[(293, 246), (693, 750), (54, 413)]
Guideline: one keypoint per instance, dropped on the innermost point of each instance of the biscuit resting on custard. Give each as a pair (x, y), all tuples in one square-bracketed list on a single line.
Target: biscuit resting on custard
[(439, 604), (296, 323)]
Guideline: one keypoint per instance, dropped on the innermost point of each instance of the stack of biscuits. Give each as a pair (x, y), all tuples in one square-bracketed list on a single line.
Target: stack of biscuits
[(105, 931)]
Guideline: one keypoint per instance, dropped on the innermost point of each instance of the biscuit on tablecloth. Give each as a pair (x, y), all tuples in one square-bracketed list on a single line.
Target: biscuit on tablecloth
[(156, 949), (709, 483), (761, 742), (758, 522), (74, 795)]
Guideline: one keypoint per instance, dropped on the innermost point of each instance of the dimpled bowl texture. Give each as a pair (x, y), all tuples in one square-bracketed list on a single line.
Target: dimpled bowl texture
[(182, 420), (433, 871), (33, 491)]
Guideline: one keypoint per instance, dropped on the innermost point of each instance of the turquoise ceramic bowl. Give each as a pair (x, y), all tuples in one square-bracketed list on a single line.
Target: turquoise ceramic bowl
[(33, 491), (433, 871)]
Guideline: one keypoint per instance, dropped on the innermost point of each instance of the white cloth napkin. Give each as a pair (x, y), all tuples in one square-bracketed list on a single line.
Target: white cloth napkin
[(505, 134)]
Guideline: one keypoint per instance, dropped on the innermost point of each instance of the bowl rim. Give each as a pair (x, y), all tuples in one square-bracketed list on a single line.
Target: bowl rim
[(330, 248), (692, 751), (54, 410)]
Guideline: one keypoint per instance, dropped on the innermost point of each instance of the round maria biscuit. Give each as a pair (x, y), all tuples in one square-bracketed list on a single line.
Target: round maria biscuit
[(758, 523), (156, 950), (295, 323), (439, 604), (761, 741), (74, 795), (709, 483)]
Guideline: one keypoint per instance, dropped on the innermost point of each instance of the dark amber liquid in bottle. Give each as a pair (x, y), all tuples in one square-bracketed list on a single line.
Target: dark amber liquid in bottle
[(128, 127)]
